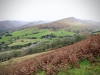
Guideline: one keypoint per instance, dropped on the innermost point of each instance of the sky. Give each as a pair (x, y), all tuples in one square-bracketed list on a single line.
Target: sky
[(49, 10)]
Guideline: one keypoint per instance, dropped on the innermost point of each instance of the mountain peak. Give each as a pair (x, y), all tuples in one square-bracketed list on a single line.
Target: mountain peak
[(71, 18)]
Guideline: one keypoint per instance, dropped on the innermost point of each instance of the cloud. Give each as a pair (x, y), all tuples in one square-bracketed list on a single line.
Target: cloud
[(30, 10)]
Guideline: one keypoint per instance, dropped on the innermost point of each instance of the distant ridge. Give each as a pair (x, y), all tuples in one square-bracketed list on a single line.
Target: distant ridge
[(7, 24), (34, 23), (71, 21), (75, 21), (60, 24)]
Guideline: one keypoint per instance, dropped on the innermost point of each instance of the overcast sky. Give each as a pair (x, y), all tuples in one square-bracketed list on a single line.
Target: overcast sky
[(33, 10)]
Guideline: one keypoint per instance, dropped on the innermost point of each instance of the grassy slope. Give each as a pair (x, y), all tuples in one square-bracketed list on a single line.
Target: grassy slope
[(70, 24), (62, 33), (93, 68), (20, 59), (86, 68), (25, 41), (27, 33)]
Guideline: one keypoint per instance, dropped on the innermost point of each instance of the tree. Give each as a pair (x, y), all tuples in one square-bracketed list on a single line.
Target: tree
[(15, 53), (0, 37)]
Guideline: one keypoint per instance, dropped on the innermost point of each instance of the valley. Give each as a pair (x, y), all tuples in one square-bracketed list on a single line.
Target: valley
[(43, 48), (72, 59), (49, 31)]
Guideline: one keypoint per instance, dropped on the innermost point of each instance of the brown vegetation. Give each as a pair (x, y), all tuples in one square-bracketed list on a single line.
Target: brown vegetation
[(50, 62)]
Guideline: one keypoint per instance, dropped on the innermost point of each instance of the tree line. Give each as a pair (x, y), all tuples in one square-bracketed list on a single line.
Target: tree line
[(40, 47)]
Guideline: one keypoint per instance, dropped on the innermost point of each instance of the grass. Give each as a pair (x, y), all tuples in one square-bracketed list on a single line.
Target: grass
[(40, 73), (17, 33), (63, 33), (75, 28), (82, 70), (20, 59), (24, 41), (5, 39), (61, 73), (86, 68), (27, 33), (24, 31), (41, 33)]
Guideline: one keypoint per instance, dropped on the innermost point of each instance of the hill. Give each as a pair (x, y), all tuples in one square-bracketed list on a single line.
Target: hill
[(61, 60), (35, 37), (75, 21), (71, 22), (47, 32), (7, 24), (34, 23)]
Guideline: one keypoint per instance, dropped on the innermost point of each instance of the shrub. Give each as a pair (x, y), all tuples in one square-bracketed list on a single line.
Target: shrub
[(0, 37), (15, 53), (50, 62)]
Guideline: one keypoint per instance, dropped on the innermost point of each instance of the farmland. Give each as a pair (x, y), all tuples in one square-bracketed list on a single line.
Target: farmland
[(48, 31), (30, 32)]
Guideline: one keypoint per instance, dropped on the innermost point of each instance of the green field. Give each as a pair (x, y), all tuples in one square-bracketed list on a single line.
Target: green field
[(23, 41), (24, 36)]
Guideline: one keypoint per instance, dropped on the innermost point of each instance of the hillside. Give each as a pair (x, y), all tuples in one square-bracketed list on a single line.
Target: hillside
[(71, 21), (47, 32), (34, 23), (53, 39), (66, 58), (7, 24)]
